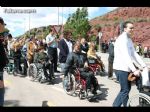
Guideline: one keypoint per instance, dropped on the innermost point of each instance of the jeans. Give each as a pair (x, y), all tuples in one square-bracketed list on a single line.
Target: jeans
[(123, 96), (1, 90)]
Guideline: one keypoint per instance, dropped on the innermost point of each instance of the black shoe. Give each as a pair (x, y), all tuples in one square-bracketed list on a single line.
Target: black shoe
[(15, 74), (57, 71), (43, 81), (111, 78), (53, 77)]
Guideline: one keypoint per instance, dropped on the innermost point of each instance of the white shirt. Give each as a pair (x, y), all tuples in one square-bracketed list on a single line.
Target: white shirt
[(69, 44), (125, 54), (137, 48), (50, 38), (10, 44), (100, 35), (145, 49)]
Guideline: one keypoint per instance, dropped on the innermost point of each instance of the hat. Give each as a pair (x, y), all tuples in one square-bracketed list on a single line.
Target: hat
[(2, 21)]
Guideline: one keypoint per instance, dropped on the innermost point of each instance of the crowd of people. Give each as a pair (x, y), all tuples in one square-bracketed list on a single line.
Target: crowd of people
[(71, 54), (143, 50)]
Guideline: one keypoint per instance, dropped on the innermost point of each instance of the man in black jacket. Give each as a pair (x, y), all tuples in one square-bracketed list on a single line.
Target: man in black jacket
[(65, 46), (3, 61), (77, 60)]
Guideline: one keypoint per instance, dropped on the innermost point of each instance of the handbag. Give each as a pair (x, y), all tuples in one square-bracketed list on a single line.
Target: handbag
[(131, 77)]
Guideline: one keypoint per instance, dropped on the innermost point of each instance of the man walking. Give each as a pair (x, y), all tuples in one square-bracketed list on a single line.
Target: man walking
[(124, 56), (65, 46), (52, 43)]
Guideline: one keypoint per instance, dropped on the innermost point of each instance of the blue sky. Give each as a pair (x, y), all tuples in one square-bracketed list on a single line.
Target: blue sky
[(18, 23)]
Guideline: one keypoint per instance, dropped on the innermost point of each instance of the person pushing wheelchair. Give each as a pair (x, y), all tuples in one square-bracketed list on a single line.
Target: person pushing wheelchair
[(76, 60)]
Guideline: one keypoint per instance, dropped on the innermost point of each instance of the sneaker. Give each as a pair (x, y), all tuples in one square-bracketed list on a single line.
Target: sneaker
[(90, 94), (111, 78), (53, 77), (116, 81), (98, 92)]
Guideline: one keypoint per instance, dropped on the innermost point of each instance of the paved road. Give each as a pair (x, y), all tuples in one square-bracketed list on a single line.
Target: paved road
[(23, 92)]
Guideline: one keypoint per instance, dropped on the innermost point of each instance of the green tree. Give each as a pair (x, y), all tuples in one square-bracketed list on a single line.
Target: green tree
[(78, 23)]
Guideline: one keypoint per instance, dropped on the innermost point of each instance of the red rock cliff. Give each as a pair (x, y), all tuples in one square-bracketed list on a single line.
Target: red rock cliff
[(140, 16)]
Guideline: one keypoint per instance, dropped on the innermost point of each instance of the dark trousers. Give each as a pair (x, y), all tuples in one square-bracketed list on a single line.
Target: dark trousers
[(17, 63), (25, 67), (2, 90), (110, 69), (123, 96), (48, 67), (90, 79), (53, 52)]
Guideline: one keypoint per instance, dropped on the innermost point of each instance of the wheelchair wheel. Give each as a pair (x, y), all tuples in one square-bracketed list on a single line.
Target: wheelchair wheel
[(10, 69), (69, 84), (40, 75), (139, 100), (32, 71)]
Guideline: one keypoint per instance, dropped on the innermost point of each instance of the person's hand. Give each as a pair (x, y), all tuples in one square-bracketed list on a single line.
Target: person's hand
[(57, 40), (137, 73), (83, 52), (1, 84)]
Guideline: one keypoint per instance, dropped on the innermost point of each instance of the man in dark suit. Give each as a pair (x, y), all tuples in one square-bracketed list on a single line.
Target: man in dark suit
[(65, 46)]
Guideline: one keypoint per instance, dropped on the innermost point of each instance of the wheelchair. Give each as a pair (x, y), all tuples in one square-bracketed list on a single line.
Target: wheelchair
[(36, 73), (10, 66), (95, 66), (142, 99), (74, 84)]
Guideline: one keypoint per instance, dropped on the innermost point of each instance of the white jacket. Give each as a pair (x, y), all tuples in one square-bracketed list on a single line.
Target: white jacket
[(125, 54)]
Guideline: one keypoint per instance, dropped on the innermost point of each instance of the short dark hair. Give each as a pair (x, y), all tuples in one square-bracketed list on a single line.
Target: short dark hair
[(99, 29), (125, 24), (50, 30), (66, 32), (9, 36)]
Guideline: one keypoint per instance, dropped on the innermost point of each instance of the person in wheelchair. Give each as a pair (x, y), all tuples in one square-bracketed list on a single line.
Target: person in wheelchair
[(41, 59), (91, 54), (76, 60)]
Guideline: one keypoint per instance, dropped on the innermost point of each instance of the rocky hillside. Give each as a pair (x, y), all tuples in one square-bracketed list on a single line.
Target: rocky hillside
[(40, 32), (140, 16)]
